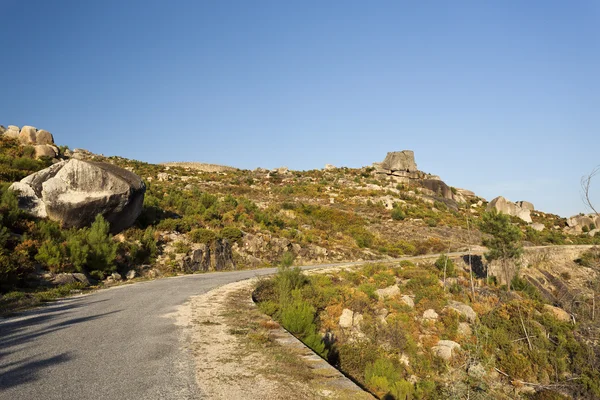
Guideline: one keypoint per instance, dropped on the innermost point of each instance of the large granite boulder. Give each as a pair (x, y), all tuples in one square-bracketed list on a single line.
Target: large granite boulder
[(12, 131), (27, 135), (504, 206), (438, 187), (43, 137), (45, 150), (400, 161), (73, 192), (525, 205)]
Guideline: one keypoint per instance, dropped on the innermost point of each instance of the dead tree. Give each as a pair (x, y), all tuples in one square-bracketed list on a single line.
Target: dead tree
[(586, 183)]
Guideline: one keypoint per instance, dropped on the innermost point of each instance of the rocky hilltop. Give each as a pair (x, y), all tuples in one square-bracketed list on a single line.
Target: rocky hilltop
[(400, 166), (41, 140)]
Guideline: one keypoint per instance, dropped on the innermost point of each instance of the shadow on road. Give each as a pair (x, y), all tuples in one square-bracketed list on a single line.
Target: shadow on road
[(28, 371), (25, 329)]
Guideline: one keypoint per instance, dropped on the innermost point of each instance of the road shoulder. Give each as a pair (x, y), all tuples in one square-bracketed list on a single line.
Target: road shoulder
[(240, 352)]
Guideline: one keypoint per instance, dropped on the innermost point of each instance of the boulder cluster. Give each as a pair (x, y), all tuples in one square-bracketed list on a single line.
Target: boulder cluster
[(400, 166), (583, 223), (41, 140), (520, 209)]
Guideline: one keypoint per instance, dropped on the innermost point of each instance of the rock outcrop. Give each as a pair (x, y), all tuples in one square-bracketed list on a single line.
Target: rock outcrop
[(558, 313), (12, 131), (579, 223), (389, 291), (73, 192), (198, 260), (400, 166), (463, 309), (400, 161), (445, 349), (41, 140), (520, 209), (430, 314)]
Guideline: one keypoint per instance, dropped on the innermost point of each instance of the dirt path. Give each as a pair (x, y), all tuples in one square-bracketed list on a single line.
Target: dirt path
[(241, 353)]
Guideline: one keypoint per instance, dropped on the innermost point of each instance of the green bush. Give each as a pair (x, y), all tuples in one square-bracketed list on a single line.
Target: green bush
[(444, 262), (398, 214), (182, 247), (268, 307), (363, 238), (384, 376), (369, 290), (202, 235), (315, 342), (298, 317), (232, 234), (287, 280), (49, 254), (78, 250), (102, 249)]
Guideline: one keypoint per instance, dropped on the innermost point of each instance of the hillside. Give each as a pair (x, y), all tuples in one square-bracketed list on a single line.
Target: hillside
[(197, 220)]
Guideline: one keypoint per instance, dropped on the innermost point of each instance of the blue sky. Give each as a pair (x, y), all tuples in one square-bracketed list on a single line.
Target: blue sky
[(498, 97)]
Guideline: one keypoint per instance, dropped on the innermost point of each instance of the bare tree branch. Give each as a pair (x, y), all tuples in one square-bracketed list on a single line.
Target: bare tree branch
[(586, 183)]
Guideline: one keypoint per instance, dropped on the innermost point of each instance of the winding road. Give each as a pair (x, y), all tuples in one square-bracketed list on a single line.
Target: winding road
[(116, 343)]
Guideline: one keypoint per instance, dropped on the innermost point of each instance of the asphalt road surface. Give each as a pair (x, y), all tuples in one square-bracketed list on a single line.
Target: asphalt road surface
[(112, 344)]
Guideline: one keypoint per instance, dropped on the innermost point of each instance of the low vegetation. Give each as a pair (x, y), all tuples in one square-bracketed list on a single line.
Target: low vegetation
[(511, 345)]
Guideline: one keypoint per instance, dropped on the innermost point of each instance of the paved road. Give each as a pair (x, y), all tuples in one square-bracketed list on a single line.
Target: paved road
[(113, 344)]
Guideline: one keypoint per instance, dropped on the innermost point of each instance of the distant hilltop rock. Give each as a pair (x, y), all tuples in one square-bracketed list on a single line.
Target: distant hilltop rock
[(400, 166), (73, 192), (520, 209), (400, 161), (200, 166), (41, 140)]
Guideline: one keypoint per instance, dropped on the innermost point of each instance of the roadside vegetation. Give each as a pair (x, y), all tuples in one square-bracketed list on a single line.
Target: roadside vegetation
[(407, 331)]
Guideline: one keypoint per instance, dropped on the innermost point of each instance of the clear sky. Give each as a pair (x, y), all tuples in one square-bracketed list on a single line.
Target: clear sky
[(500, 97)]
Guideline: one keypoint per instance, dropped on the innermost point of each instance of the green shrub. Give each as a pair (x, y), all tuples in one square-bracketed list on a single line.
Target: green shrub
[(232, 234), (315, 342), (384, 279), (444, 262), (268, 307), (287, 259), (369, 290), (298, 317), (398, 214), (102, 249), (26, 164), (384, 376), (590, 258), (202, 235), (287, 280), (363, 238), (522, 285), (182, 247), (49, 255), (78, 250), (431, 222)]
